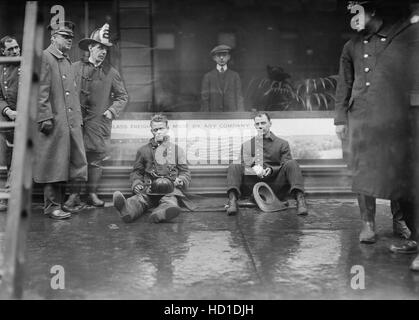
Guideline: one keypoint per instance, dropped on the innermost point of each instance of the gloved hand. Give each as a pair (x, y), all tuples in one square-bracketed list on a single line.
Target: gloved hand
[(46, 127)]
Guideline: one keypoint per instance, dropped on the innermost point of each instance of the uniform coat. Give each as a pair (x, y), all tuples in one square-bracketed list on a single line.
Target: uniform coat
[(372, 98), (9, 84), (100, 88), (221, 92), (60, 155)]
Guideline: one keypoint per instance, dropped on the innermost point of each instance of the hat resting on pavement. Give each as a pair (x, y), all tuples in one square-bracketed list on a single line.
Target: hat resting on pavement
[(98, 36), (266, 199)]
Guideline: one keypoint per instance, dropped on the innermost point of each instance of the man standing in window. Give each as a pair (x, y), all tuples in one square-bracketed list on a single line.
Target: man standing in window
[(221, 88), (59, 150), (102, 97), (9, 83)]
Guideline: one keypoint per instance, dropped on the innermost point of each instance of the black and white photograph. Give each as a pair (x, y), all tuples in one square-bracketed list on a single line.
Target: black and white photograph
[(209, 154)]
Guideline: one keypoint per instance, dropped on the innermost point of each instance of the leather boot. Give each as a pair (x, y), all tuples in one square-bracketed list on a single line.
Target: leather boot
[(129, 210), (367, 209), (164, 213), (232, 207), (400, 227), (301, 203), (415, 264), (94, 175), (73, 203)]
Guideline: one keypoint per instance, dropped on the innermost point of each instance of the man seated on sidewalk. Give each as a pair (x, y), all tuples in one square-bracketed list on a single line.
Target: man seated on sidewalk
[(160, 164), (265, 158)]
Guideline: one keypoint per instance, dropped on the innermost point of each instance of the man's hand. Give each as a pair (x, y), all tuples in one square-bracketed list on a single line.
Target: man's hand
[(342, 131), (267, 172), (138, 188), (178, 182), (46, 127), (11, 114), (108, 114), (259, 171)]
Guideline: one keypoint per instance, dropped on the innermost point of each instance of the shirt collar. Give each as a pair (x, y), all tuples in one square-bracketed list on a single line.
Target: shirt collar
[(219, 68)]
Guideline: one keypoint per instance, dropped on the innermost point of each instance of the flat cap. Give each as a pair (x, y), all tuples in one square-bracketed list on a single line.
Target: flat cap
[(65, 28), (220, 48)]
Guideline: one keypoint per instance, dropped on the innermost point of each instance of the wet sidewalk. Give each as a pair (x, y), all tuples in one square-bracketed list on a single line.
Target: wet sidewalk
[(208, 255)]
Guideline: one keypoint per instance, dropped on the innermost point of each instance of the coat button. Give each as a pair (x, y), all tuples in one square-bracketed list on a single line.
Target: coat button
[(67, 93), (367, 84), (365, 41), (64, 76), (383, 39), (367, 69), (366, 55)]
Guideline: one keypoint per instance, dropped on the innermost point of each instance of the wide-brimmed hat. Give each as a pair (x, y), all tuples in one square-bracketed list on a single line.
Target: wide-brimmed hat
[(266, 199), (64, 28), (160, 187), (100, 36)]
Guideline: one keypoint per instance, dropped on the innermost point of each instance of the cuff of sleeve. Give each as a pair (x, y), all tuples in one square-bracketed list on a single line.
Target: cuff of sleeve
[(113, 111), (185, 181), (44, 119), (3, 112)]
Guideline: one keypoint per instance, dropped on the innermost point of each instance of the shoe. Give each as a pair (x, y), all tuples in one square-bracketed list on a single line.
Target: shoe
[(415, 264), (120, 203), (367, 234), (406, 247), (73, 204), (301, 204), (367, 209), (94, 200), (232, 207), (400, 227), (3, 205), (59, 214), (165, 214)]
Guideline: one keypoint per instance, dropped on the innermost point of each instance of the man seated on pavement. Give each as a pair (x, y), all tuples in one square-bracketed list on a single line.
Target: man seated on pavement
[(159, 177), (276, 168)]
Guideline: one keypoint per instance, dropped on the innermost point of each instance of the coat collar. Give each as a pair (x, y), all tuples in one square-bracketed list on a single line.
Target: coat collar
[(154, 144), (57, 53)]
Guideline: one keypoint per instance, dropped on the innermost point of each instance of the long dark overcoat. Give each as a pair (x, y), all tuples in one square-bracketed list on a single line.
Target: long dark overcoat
[(101, 88), (373, 99), (220, 94), (60, 155)]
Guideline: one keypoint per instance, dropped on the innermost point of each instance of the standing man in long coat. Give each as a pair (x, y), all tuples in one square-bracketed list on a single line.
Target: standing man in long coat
[(372, 107), (60, 154), (9, 84), (102, 96), (221, 89)]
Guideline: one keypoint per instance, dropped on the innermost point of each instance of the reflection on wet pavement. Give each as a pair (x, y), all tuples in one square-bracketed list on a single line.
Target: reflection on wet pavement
[(208, 255)]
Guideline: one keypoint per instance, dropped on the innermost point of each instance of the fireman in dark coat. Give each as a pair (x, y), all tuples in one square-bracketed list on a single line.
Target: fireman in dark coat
[(102, 97), (59, 149), (9, 83), (160, 160), (372, 108)]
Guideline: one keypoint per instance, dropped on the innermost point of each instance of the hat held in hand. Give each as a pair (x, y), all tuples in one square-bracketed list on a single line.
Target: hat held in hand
[(266, 199), (100, 36), (160, 187)]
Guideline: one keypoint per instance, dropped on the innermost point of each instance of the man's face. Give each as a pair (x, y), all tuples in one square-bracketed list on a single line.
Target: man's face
[(262, 124), (159, 130), (221, 58), (359, 24), (11, 49), (63, 42), (98, 52)]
